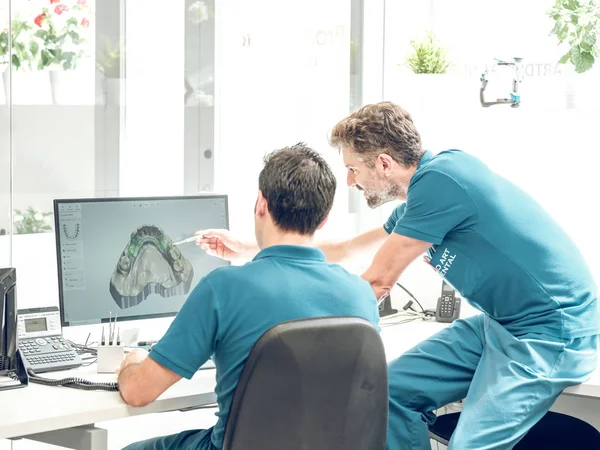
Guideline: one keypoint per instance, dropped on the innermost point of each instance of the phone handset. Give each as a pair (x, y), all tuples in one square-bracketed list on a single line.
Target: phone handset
[(448, 305)]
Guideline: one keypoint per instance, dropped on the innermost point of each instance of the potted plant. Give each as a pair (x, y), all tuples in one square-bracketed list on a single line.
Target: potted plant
[(577, 29), (423, 78), (427, 55), (108, 63), (31, 221), (27, 88), (577, 24), (62, 28)]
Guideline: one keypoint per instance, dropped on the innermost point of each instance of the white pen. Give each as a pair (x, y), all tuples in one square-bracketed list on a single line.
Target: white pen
[(114, 330), (190, 239)]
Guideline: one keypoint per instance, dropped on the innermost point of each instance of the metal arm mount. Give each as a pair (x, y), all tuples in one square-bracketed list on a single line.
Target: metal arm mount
[(515, 97)]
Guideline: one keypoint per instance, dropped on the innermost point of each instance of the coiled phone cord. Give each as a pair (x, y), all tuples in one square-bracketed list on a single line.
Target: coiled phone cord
[(72, 382)]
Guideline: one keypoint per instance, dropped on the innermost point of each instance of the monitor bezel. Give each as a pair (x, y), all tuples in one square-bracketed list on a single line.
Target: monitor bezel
[(58, 202)]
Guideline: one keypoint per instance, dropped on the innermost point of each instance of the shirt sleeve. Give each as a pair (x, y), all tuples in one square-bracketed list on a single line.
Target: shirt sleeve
[(394, 217), (435, 205), (191, 338)]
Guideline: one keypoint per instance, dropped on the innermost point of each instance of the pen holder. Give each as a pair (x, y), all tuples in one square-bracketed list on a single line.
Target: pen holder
[(110, 358)]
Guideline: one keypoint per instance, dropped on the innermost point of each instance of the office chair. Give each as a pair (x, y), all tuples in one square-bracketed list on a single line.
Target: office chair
[(318, 384), (554, 431)]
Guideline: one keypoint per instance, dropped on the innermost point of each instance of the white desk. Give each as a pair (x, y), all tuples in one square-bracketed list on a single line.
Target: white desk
[(40, 410)]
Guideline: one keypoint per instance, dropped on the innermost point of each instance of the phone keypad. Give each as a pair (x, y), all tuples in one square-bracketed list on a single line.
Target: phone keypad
[(43, 345), (48, 353), (447, 307)]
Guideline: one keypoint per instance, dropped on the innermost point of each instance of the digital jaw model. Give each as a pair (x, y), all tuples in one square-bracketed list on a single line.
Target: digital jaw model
[(150, 264)]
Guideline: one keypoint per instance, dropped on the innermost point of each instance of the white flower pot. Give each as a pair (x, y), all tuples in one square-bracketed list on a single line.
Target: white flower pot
[(68, 88), (28, 88)]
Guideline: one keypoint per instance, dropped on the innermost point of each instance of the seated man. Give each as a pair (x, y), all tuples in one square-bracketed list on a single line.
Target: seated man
[(233, 306)]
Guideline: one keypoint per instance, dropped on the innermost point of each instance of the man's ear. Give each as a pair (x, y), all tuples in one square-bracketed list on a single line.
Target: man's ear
[(261, 205), (386, 162), (322, 224)]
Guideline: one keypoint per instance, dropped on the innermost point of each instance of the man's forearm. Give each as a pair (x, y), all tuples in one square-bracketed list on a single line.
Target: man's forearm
[(126, 378), (364, 245), (335, 252)]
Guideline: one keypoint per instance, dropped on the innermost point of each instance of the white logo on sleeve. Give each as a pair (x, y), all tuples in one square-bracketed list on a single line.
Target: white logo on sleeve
[(445, 262)]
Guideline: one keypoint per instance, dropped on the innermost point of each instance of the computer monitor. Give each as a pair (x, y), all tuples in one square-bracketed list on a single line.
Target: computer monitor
[(120, 257), (8, 318)]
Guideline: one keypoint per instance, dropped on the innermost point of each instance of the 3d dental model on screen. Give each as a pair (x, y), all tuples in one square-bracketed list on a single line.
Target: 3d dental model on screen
[(150, 264)]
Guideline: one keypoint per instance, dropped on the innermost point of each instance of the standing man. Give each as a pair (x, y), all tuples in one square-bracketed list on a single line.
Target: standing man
[(500, 250)]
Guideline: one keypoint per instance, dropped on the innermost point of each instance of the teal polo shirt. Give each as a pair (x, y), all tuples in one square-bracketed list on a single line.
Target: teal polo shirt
[(233, 306), (498, 247)]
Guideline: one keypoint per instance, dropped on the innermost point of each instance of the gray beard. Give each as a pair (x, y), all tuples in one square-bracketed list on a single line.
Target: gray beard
[(376, 199)]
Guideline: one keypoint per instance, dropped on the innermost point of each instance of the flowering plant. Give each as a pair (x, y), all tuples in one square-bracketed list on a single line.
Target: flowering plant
[(61, 28), (24, 49)]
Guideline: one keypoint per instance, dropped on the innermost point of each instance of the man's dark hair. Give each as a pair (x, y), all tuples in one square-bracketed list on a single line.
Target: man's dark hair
[(299, 187)]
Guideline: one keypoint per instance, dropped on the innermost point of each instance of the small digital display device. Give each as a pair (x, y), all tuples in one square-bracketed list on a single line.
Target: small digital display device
[(35, 325)]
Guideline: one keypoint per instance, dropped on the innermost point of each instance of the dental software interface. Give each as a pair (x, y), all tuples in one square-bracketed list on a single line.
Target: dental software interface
[(123, 256)]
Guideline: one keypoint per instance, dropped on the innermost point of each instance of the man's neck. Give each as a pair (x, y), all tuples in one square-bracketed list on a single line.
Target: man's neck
[(277, 238)]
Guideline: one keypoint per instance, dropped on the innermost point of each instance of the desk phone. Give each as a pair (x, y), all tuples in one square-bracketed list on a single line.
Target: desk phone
[(41, 343), (448, 307)]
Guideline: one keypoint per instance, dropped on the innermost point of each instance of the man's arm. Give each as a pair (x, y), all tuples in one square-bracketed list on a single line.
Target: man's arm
[(142, 380), (391, 260), (365, 245)]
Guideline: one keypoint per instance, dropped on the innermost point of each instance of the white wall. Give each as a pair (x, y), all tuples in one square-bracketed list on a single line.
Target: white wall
[(279, 81)]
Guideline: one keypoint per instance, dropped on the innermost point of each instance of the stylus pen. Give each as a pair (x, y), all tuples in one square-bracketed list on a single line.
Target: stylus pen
[(109, 325), (118, 336), (190, 239), (112, 337), (103, 341)]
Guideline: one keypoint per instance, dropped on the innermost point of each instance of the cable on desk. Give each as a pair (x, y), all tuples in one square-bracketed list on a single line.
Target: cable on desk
[(73, 382), (412, 296), (400, 322), (83, 349)]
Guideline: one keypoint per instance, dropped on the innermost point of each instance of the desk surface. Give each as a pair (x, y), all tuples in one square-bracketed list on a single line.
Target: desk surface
[(38, 408), (399, 338)]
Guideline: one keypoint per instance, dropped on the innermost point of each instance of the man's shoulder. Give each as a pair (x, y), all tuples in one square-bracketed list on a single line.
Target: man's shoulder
[(227, 274), (352, 281), (450, 167)]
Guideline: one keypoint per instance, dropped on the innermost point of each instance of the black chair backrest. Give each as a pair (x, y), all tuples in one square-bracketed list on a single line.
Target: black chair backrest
[(312, 384)]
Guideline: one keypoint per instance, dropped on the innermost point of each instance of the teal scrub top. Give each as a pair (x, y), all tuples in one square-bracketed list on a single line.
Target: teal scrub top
[(498, 247), (233, 306)]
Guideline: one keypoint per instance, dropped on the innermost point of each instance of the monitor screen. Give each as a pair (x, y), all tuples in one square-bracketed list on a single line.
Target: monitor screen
[(122, 256)]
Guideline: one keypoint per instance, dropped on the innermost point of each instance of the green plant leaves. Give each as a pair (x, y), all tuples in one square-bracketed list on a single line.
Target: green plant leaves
[(31, 221), (565, 58), (581, 59), (36, 48), (427, 56), (578, 23)]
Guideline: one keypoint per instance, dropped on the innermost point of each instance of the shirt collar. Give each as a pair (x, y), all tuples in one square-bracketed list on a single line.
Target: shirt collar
[(427, 156), (292, 252)]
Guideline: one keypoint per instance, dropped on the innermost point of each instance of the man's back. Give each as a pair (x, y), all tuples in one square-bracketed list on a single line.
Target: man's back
[(233, 306), (510, 258)]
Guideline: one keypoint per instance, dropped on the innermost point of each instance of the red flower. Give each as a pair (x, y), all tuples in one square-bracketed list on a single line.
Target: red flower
[(60, 9), (40, 19), (82, 2), (85, 22), (54, 1)]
